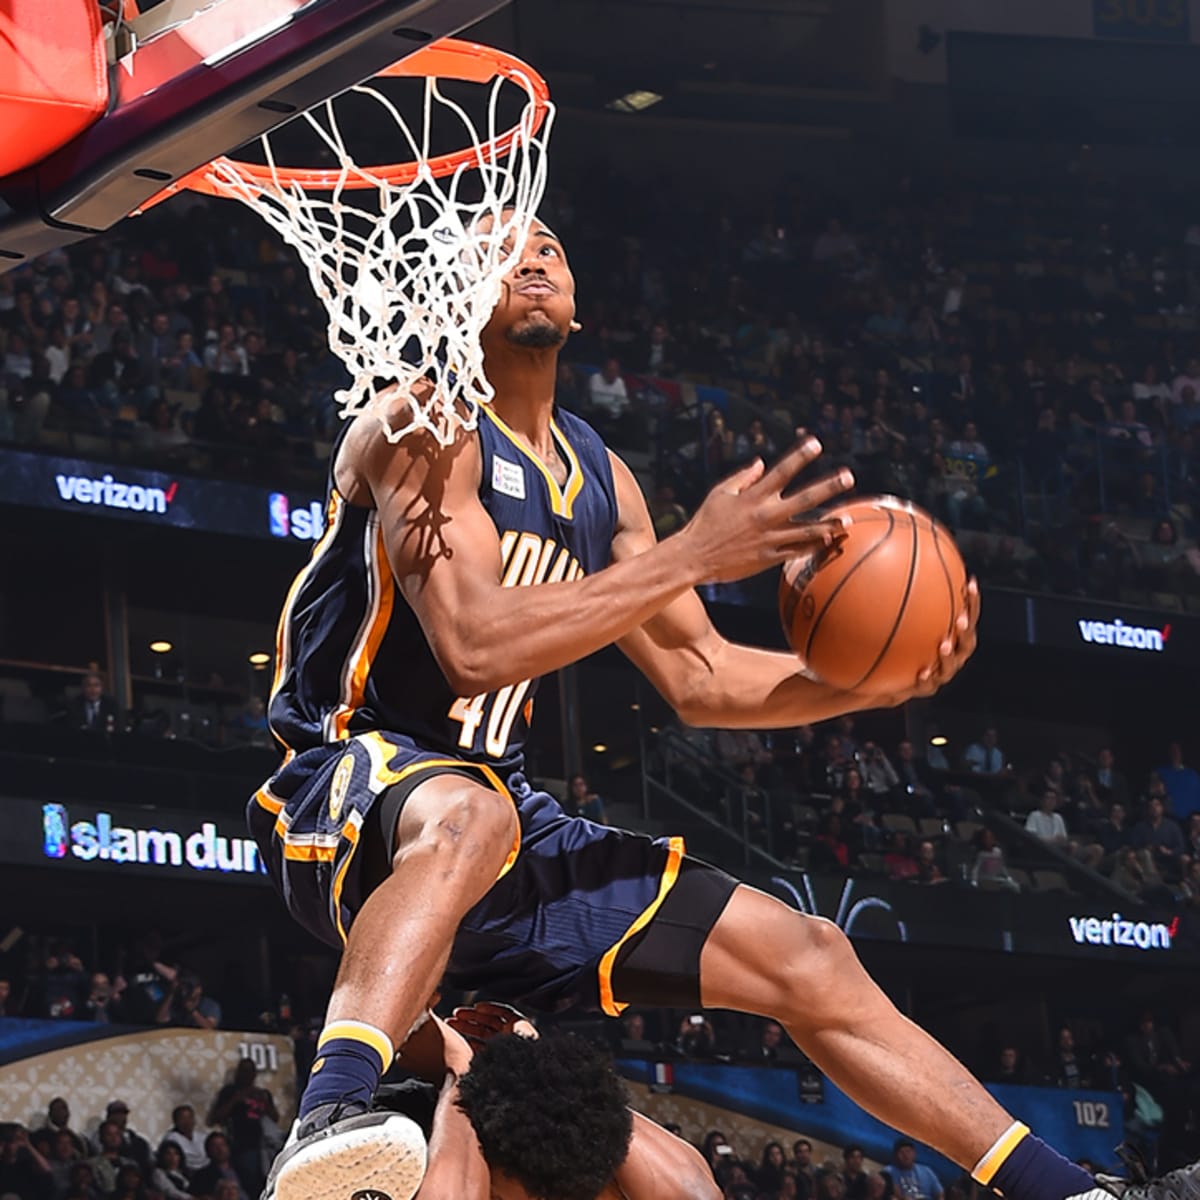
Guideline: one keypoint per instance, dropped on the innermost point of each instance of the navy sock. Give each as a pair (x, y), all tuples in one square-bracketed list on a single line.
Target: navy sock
[(351, 1057), (1022, 1167)]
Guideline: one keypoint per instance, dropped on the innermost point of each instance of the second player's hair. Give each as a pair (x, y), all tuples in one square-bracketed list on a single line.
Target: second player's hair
[(550, 1113)]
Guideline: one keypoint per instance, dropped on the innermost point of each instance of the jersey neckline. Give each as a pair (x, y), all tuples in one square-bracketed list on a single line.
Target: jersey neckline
[(562, 499)]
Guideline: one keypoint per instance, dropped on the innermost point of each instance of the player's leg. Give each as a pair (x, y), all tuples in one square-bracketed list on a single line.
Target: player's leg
[(763, 957), (438, 849), (451, 839)]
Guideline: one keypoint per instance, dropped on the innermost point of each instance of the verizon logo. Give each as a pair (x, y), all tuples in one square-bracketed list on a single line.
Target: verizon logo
[(1129, 637), (1117, 931), (108, 492)]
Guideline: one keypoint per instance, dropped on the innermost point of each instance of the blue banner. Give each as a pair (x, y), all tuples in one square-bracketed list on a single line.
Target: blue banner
[(1078, 1124), (124, 493)]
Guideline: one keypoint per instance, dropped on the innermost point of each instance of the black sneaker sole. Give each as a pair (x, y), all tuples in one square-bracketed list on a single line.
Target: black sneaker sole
[(374, 1156)]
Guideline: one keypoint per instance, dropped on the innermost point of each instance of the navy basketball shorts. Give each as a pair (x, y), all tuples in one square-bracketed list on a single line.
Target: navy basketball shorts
[(582, 915)]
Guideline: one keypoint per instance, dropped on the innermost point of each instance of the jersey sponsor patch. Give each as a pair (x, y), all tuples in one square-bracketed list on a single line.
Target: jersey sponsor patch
[(508, 478)]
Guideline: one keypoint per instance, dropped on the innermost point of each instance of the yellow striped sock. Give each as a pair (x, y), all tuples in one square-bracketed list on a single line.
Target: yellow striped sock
[(362, 1033), (985, 1169)]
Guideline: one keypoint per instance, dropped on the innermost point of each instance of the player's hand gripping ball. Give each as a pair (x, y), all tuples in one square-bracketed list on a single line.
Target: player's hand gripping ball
[(871, 613)]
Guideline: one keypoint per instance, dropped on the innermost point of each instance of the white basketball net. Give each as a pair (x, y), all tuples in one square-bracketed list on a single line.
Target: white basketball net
[(406, 273)]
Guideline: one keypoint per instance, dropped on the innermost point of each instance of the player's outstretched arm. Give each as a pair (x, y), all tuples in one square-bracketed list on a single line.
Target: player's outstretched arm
[(445, 554), (711, 682)]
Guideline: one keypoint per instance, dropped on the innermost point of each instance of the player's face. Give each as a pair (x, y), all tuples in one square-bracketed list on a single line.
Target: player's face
[(537, 300)]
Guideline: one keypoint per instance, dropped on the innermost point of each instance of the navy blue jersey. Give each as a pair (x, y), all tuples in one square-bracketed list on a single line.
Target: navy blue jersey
[(350, 653)]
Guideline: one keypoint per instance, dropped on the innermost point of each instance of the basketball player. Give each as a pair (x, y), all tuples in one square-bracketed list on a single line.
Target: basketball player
[(468, 1082), (401, 829)]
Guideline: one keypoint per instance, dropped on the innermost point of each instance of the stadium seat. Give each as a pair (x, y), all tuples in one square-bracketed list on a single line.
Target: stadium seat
[(898, 823), (966, 830), (1050, 881), (932, 827)]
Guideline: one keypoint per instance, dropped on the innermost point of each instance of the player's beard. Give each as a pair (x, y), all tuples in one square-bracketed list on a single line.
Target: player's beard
[(535, 335)]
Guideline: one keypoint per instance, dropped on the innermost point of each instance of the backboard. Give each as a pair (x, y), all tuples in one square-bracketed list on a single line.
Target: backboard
[(197, 78)]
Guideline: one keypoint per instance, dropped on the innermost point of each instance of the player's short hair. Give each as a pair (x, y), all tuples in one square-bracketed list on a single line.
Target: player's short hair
[(516, 1095)]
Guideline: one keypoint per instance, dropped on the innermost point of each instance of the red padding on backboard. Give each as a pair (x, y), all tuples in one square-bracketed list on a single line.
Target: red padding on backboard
[(53, 76)]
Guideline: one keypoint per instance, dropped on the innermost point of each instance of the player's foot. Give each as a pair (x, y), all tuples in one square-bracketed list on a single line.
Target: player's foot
[(344, 1152), (1180, 1184)]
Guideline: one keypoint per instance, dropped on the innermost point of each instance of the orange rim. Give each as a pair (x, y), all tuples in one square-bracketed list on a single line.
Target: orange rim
[(449, 58)]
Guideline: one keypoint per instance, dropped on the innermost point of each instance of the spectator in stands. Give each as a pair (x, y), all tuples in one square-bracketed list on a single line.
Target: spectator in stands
[(898, 860), (928, 868), (109, 1159), (133, 1146), (607, 394), (64, 985), (103, 1003), (985, 756), (989, 868), (1162, 836), (755, 442), (1154, 1060), (217, 1170), (224, 354), (830, 850), (668, 515), (169, 1178), (768, 1177), (1190, 377), (58, 1120), (1112, 834), (772, 1045), (5, 996), (24, 1171), (1111, 785), (1010, 1067), (802, 1167), (242, 1106), (1182, 783), (130, 1184), (720, 450), (584, 802), (190, 1139), (911, 781), (1133, 873), (854, 1178), (186, 1004), (696, 1037), (1046, 823), (64, 1155), (93, 709), (911, 1179), (878, 775), (1066, 1069)]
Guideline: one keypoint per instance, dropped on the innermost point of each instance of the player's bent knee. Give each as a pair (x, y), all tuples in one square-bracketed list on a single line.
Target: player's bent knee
[(813, 947)]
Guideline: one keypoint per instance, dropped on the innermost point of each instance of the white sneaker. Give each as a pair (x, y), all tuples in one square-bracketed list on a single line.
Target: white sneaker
[(363, 1156)]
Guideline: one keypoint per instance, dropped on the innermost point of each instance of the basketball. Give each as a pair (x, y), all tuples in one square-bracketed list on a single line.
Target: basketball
[(870, 613)]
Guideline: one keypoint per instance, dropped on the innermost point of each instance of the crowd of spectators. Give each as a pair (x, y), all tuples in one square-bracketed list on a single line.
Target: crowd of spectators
[(227, 1160), (50, 980), (831, 799), (1025, 363)]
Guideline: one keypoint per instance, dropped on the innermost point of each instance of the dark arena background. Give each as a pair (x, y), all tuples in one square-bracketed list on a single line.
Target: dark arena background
[(959, 242)]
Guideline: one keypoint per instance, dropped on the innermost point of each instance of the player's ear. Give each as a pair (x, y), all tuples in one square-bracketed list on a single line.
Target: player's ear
[(575, 327)]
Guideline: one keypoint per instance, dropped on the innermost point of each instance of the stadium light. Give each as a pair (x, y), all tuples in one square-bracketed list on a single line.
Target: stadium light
[(161, 647)]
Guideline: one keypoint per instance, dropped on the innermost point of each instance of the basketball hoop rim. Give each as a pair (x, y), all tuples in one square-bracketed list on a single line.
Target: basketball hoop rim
[(447, 58)]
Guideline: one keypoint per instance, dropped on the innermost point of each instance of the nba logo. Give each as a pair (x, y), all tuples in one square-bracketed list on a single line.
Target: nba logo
[(280, 519), (54, 831)]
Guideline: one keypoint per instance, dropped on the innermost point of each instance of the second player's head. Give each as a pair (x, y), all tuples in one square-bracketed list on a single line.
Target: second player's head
[(551, 1116), (537, 300)]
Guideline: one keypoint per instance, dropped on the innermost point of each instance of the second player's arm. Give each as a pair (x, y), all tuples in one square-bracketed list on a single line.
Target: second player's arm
[(445, 553), (711, 682)]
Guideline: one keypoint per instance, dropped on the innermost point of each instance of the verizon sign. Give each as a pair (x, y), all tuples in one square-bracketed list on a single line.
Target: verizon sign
[(1126, 637)]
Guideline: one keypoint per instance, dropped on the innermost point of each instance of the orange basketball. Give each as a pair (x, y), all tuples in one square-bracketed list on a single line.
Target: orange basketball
[(871, 612)]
